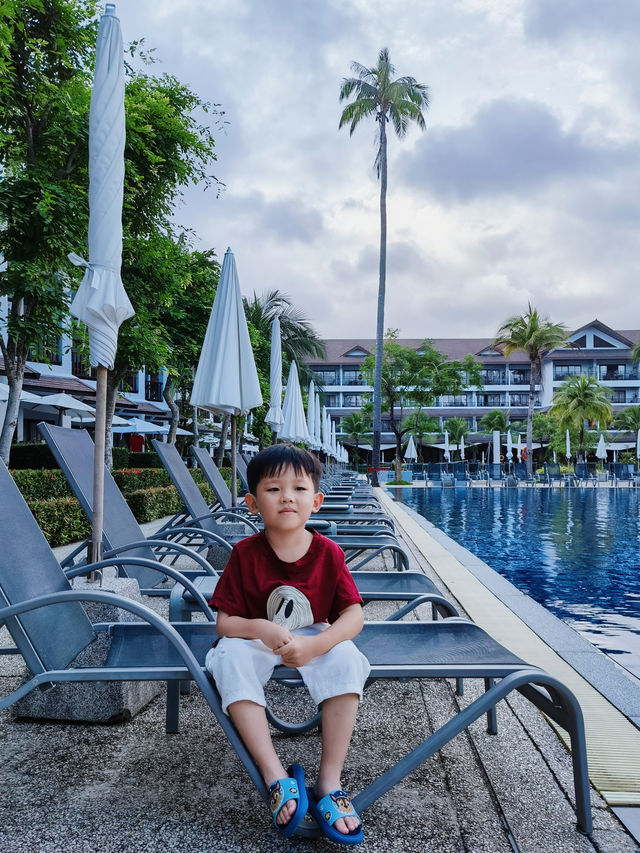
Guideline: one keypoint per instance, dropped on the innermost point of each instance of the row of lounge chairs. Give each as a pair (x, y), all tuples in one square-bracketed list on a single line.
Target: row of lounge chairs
[(49, 626), (467, 473)]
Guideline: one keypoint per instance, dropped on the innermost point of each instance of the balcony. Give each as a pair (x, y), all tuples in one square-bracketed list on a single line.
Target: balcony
[(519, 377), (44, 353), (80, 365), (129, 383), (617, 373), (493, 377)]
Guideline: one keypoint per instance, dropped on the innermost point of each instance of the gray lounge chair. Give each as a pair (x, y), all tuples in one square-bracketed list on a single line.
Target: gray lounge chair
[(51, 628), (359, 549), (552, 473)]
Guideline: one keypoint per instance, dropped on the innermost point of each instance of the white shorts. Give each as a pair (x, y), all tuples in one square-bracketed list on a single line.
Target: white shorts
[(241, 668)]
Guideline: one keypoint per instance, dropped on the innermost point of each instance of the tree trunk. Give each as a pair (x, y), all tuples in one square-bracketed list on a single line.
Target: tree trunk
[(377, 376), (112, 394), (196, 431), (533, 375), (15, 377), (167, 396)]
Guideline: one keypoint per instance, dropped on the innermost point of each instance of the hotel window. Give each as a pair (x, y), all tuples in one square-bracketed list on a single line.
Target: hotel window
[(519, 399), (351, 376), (455, 400), (619, 396), (492, 400), (561, 371), (352, 401), (325, 377), (331, 400), (492, 376), (520, 375), (611, 372)]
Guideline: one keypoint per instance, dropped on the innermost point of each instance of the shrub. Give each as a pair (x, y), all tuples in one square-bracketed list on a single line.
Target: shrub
[(120, 457), (41, 485), (61, 520), (149, 504), (31, 455), (134, 479), (144, 460)]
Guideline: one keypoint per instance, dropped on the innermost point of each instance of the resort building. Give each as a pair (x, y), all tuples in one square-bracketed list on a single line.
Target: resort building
[(595, 350)]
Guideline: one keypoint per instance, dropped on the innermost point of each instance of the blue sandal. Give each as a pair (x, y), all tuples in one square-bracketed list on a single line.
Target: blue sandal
[(326, 811), (283, 790)]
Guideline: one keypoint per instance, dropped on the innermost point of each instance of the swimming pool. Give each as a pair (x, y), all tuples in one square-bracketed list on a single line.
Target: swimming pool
[(576, 551)]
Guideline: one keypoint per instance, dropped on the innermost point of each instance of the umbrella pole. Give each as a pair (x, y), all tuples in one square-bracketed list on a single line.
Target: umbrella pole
[(234, 482), (98, 468)]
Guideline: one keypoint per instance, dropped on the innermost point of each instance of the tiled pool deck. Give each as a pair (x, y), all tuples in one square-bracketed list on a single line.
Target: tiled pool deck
[(131, 787)]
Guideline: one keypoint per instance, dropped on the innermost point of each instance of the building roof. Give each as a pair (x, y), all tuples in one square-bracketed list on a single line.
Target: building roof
[(53, 384), (29, 372)]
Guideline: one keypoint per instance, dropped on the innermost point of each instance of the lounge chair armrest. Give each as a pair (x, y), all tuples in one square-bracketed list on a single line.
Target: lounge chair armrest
[(176, 547), (150, 564), (145, 613), (213, 538), (69, 560)]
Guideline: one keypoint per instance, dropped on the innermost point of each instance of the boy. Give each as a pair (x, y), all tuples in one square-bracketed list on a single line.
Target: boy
[(286, 596)]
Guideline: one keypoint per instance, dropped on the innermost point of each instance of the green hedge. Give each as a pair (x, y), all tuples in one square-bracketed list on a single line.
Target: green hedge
[(134, 479), (143, 460), (120, 457), (42, 485), (61, 520), (149, 504), (34, 455)]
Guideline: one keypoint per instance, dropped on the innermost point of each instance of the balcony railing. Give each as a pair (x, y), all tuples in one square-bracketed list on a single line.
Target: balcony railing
[(153, 389), (80, 366), (129, 383)]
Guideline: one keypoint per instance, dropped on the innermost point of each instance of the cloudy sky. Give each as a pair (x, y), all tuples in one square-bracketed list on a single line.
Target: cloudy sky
[(525, 185)]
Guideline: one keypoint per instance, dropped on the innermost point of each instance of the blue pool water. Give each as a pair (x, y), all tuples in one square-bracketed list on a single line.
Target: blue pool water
[(576, 551)]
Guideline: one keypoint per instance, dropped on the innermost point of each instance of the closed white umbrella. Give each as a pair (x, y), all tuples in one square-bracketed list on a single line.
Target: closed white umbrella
[(519, 448), (567, 442), (410, 452), (274, 416), (294, 426), (447, 454), (101, 302), (461, 447), (601, 449), (326, 432), (509, 446), (318, 424), (638, 445), (226, 380), (334, 443), (311, 415)]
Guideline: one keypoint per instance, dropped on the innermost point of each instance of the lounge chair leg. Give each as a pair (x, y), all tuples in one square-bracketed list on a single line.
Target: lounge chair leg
[(459, 686), (173, 706), (492, 718)]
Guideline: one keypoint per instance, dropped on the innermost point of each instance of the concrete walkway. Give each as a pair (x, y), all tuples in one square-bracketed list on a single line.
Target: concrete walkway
[(131, 787)]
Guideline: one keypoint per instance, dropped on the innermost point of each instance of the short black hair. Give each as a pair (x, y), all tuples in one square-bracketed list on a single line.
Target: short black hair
[(272, 460)]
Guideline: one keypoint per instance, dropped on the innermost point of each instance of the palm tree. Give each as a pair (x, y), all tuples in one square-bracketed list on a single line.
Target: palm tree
[(495, 419), (419, 425), (299, 339), (400, 101), (628, 419), (537, 336), (456, 428), (356, 427), (579, 399)]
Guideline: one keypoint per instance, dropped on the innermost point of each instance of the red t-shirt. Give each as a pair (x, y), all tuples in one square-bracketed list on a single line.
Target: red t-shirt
[(254, 571)]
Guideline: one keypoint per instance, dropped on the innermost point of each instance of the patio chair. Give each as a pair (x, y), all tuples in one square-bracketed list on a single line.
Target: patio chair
[(552, 473), (52, 628), (355, 547), (342, 514), (461, 475), (495, 473), (623, 473), (583, 476), (522, 475)]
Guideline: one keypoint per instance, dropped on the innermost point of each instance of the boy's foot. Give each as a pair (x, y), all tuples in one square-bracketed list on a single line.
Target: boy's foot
[(288, 801), (335, 816)]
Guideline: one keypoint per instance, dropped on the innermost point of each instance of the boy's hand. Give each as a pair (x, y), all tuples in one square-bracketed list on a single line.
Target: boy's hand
[(297, 652), (274, 636)]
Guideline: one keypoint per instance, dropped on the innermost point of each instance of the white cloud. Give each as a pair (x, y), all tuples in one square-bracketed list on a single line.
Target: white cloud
[(522, 188)]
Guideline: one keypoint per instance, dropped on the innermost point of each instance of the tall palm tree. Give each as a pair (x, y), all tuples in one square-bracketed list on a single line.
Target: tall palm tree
[(356, 427), (399, 101), (456, 428), (495, 419), (579, 399), (537, 336)]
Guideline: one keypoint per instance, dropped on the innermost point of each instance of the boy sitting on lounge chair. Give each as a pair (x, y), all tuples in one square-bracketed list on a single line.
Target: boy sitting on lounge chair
[(286, 596)]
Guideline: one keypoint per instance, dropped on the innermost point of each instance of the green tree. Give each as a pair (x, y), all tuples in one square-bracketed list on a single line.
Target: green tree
[(535, 335), (456, 429), (402, 100), (45, 68), (419, 425), (579, 399), (628, 419), (496, 419), (357, 427), (413, 378)]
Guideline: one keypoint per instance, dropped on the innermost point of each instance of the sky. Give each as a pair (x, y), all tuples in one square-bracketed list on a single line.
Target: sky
[(524, 187)]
